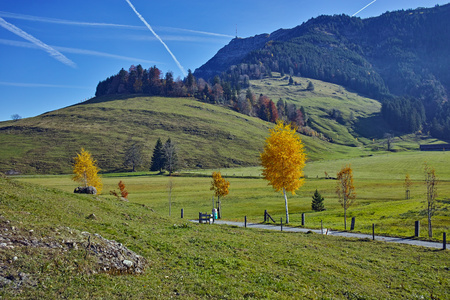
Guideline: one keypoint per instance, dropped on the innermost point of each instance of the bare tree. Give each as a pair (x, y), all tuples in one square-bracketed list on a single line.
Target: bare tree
[(170, 156), (16, 117), (133, 156), (431, 181)]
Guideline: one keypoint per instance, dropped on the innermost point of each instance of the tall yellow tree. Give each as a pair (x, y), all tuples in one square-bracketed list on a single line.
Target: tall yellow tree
[(283, 160), (220, 186), (345, 189), (85, 170)]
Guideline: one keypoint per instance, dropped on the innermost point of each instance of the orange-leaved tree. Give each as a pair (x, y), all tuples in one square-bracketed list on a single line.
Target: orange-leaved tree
[(85, 170), (345, 189), (283, 160), (220, 186)]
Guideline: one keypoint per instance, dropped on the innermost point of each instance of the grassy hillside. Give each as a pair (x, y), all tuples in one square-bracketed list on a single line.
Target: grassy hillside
[(321, 101), (206, 135), (191, 260)]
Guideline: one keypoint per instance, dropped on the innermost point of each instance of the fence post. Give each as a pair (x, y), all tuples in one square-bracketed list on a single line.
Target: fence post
[(373, 231), (352, 225), (444, 238), (199, 217), (245, 221), (303, 219), (321, 226), (417, 228), (182, 213), (281, 222), (265, 215)]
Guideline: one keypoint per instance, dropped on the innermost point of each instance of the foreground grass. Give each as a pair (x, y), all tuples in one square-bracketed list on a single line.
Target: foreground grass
[(195, 261)]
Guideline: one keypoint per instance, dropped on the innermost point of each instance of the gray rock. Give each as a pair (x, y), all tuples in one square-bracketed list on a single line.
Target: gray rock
[(86, 190), (128, 263)]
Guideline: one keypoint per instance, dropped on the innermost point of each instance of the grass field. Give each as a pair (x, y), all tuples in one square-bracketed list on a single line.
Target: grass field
[(378, 179), (197, 261)]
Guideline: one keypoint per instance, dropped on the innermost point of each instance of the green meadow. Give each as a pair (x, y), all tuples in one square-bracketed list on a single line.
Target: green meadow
[(379, 182), (199, 261)]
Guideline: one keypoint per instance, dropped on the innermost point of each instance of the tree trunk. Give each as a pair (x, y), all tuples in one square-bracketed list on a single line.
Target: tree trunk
[(430, 231), (345, 218), (286, 204), (219, 208)]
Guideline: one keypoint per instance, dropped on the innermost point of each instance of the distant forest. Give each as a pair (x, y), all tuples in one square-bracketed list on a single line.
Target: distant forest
[(153, 82)]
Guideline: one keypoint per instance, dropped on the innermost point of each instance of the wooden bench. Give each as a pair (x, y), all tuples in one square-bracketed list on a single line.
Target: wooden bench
[(205, 218)]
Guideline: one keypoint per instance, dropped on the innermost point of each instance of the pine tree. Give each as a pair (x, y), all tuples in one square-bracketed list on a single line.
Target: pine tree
[(317, 202), (158, 160)]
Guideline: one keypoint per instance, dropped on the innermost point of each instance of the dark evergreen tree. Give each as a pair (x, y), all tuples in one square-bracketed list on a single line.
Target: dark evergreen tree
[(310, 86), (317, 202), (158, 159)]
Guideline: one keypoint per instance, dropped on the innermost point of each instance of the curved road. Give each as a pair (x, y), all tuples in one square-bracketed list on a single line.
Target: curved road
[(388, 239)]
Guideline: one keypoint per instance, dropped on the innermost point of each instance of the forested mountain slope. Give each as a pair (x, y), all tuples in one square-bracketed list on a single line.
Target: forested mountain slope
[(398, 54)]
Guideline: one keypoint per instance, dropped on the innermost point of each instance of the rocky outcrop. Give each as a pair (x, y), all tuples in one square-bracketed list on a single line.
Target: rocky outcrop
[(112, 257)]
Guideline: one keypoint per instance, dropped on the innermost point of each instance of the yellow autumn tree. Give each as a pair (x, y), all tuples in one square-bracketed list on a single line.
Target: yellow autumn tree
[(283, 160), (85, 170), (345, 189), (220, 186)]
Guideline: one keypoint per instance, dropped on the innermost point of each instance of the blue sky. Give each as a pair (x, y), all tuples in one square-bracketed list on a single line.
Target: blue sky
[(54, 52)]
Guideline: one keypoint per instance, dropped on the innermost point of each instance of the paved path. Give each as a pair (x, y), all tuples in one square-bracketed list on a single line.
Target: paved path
[(335, 233)]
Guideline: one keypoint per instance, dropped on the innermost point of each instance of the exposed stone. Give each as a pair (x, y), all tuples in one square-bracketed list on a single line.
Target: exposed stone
[(92, 217), (127, 263), (86, 190)]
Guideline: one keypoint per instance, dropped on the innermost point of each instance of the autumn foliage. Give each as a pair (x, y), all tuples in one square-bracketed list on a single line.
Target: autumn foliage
[(283, 160), (219, 185), (345, 189), (85, 170), (123, 191)]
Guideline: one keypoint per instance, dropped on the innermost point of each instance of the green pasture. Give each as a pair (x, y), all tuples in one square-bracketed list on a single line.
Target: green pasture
[(379, 187), (197, 261)]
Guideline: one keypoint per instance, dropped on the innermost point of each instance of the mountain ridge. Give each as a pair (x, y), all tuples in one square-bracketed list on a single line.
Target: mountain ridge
[(401, 53)]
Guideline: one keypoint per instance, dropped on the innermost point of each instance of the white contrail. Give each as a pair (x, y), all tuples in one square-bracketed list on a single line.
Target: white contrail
[(363, 8), (43, 85), (78, 51), (154, 33), (64, 22), (54, 53), (93, 24)]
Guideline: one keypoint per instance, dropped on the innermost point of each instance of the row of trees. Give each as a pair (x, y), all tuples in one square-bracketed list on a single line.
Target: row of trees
[(219, 91), (283, 160)]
